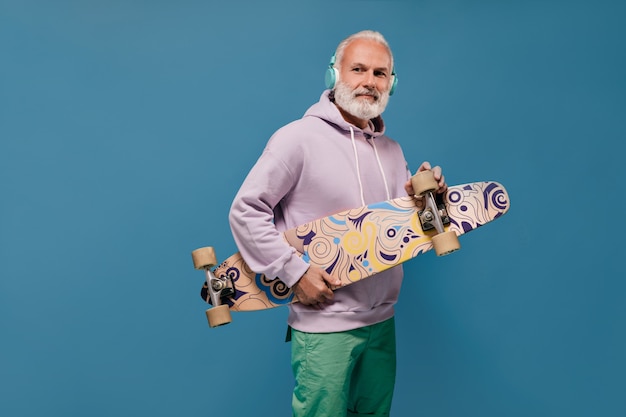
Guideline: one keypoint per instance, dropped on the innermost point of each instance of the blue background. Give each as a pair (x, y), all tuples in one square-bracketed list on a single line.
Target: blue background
[(127, 127)]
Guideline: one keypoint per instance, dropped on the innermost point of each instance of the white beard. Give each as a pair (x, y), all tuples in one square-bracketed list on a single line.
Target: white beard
[(346, 98)]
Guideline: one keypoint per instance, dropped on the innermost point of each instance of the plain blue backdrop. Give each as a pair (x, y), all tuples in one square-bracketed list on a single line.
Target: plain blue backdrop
[(127, 126)]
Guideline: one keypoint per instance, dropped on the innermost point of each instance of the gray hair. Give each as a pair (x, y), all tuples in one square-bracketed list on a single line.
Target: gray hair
[(364, 34)]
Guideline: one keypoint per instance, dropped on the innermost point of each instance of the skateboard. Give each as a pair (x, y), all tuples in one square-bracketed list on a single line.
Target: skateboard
[(355, 244)]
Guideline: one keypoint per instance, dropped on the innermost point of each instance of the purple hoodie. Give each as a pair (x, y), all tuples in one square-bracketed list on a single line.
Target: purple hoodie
[(311, 168)]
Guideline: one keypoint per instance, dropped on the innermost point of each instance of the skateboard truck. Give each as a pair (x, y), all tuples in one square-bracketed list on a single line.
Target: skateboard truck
[(218, 288), (219, 314), (434, 215)]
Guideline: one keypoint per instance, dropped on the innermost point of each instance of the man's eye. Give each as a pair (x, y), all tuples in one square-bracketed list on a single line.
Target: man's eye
[(380, 74)]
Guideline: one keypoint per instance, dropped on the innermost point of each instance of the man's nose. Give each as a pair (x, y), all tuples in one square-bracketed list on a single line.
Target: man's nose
[(370, 79)]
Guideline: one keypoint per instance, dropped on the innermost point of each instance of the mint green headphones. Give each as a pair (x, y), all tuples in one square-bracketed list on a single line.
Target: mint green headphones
[(332, 75)]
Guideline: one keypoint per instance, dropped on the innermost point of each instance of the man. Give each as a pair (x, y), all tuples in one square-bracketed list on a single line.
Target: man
[(336, 157)]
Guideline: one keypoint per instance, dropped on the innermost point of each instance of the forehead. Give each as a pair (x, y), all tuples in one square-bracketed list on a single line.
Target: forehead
[(367, 52)]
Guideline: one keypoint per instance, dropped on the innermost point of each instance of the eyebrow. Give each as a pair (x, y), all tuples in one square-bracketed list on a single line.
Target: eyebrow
[(358, 64)]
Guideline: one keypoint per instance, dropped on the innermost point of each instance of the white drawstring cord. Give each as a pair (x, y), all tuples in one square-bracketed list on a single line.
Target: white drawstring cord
[(358, 172), (380, 166)]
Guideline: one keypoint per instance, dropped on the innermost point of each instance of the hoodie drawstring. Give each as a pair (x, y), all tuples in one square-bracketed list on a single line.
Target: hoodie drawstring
[(380, 166), (358, 171)]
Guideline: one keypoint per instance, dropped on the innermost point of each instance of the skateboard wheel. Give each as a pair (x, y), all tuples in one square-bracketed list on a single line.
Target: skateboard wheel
[(204, 258), (218, 316), (424, 182), (446, 243)]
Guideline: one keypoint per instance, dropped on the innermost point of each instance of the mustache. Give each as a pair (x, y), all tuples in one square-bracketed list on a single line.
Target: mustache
[(366, 91)]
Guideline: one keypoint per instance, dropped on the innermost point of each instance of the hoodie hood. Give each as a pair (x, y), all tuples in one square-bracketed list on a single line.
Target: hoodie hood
[(326, 110)]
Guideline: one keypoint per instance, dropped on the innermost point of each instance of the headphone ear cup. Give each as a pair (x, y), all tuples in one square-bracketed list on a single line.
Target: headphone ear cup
[(394, 83), (331, 77)]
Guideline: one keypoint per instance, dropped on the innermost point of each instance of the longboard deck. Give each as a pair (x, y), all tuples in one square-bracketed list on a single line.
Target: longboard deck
[(358, 243)]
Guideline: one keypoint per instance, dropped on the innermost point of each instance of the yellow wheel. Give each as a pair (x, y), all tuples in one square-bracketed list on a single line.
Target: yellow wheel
[(218, 316), (424, 182), (446, 243), (204, 258)]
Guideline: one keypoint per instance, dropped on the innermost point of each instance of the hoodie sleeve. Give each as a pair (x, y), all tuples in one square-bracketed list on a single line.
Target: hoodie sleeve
[(253, 224)]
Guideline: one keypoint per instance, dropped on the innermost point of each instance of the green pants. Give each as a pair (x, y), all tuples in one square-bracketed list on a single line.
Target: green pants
[(348, 373)]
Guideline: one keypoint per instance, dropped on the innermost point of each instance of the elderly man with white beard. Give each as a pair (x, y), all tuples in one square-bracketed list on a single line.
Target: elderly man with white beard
[(335, 157)]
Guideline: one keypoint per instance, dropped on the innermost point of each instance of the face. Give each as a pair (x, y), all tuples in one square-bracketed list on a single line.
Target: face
[(364, 79)]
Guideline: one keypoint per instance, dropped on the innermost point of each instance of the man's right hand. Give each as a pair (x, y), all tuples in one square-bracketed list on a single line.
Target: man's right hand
[(313, 287)]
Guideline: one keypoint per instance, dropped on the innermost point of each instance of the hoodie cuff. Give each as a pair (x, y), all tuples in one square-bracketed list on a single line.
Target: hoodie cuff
[(293, 270)]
